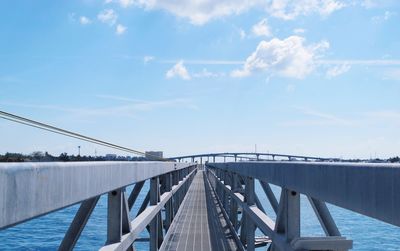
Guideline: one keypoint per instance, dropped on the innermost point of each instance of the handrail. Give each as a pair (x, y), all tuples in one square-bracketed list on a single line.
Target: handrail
[(29, 190), (368, 189)]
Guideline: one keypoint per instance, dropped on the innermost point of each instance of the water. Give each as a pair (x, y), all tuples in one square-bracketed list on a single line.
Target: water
[(46, 232)]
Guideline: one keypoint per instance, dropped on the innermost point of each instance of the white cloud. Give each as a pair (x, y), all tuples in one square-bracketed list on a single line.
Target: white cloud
[(120, 29), (288, 57), (200, 12), (84, 20), (126, 3), (261, 28), (147, 59), (337, 70), (122, 3), (178, 70), (299, 31), (288, 9), (108, 16)]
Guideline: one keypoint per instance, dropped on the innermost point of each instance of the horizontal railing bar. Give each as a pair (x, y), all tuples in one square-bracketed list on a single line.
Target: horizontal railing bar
[(144, 219), (369, 189), (29, 190)]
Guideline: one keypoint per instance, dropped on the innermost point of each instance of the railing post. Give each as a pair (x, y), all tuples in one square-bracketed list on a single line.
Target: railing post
[(154, 190), (250, 201), (114, 217), (293, 215), (233, 210), (288, 217), (168, 206), (226, 195), (176, 195)]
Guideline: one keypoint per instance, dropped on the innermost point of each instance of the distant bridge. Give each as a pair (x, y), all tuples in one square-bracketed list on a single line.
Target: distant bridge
[(248, 156), (208, 206)]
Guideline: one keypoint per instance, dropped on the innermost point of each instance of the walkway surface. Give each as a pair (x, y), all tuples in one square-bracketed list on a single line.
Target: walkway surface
[(199, 224)]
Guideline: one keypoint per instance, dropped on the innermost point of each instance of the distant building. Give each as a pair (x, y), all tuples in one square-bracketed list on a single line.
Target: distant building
[(111, 156), (154, 155)]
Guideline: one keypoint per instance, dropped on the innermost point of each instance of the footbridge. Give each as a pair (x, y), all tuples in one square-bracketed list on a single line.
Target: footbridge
[(203, 202)]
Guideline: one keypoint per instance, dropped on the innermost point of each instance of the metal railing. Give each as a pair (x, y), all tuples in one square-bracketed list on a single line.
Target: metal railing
[(369, 189), (29, 190)]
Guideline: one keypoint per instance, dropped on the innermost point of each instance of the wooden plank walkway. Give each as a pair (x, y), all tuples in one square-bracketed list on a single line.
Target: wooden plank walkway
[(199, 224)]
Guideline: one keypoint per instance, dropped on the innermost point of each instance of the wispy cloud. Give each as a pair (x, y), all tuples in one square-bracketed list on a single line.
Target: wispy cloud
[(151, 105), (337, 70), (317, 118), (370, 62), (312, 117), (126, 108)]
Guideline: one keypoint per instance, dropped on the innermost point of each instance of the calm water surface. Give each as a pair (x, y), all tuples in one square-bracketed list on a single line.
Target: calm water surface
[(46, 232)]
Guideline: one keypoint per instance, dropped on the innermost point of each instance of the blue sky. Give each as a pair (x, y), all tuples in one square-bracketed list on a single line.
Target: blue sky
[(316, 77)]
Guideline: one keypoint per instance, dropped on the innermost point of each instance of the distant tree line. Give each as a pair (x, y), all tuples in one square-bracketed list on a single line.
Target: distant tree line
[(46, 157), (39, 156)]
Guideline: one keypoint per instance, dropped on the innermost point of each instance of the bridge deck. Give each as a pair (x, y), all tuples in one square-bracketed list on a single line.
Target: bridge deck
[(199, 224)]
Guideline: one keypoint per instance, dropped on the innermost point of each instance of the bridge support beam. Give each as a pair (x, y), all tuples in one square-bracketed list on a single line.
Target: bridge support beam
[(77, 225), (324, 217), (134, 194), (270, 195)]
